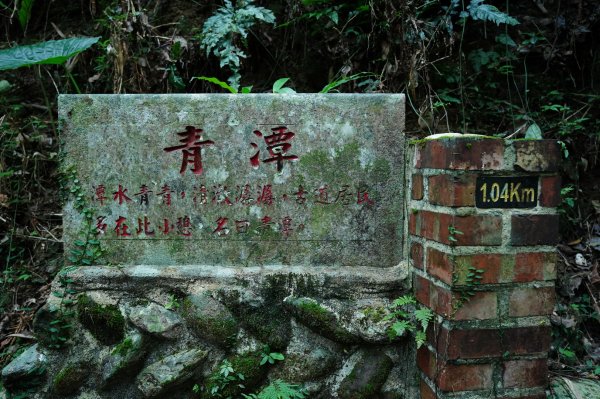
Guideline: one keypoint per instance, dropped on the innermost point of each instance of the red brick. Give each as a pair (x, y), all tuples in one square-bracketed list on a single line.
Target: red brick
[(478, 230), (425, 390), (417, 186), (491, 264), (534, 266), (534, 230), (461, 153), (537, 155), (473, 344), (525, 373), (426, 362), (452, 190), (413, 218), (526, 340), (493, 342), (531, 301), (469, 230), (440, 265), (440, 300), (416, 255), (465, 377), (481, 306), (421, 289), (550, 191)]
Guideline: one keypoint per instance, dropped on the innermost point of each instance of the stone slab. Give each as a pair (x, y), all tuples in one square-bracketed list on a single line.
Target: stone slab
[(218, 179)]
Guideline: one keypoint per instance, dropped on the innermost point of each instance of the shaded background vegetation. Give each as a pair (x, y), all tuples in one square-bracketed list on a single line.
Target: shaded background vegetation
[(525, 68)]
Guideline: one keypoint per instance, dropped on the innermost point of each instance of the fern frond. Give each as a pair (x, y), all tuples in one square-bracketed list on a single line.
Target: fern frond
[(487, 12), (404, 300), (424, 315), (280, 389)]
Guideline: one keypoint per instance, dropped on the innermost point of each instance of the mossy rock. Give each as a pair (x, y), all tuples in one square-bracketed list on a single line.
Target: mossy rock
[(125, 359), (209, 319), (367, 377), (319, 319), (248, 365), (70, 379), (104, 322)]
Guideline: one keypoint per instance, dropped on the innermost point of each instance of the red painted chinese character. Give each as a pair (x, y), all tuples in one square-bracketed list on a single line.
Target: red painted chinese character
[(166, 194), (144, 226), (143, 194), (200, 195), (277, 145), (121, 228), (191, 149), (221, 195), (265, 195), (100, 225), (300, 198), (266, 221), (286, 226), (166, 227), (121, 195), (322, 195), (245, 196), (241, 226), (184, 226), (344, 196), (221, 230), (362, 197), (100, 191)]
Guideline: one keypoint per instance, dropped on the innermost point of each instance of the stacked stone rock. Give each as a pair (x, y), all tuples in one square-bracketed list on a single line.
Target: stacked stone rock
[(491, 337)]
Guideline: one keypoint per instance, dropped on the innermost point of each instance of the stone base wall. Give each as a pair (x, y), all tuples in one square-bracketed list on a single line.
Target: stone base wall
[(487, 273), (155, 332)]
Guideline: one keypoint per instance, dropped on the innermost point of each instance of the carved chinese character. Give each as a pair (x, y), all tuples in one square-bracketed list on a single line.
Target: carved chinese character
[(200, 195), (143, 194), (300, 195), (265, 195), (144, 226), (221, 229), (184, 226), (241, 226), (100, 191), (191, 149), (121, 195), (166, 227), (121, 228), (322, 194), (100, 225), (221, 195), (344, 196), (286, 226), (277, 145), (166, 194), (245, 196), (362, 196)]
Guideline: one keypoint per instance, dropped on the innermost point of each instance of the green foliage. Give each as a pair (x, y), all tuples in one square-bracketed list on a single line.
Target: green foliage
[(50, 52), (172, 302), (278, 389), (409, 317), (345, 79), (24, 13), (219, 385), (270, 357), (477, 10), (224, 85), (452, 233), (278, 87), (226, 28)]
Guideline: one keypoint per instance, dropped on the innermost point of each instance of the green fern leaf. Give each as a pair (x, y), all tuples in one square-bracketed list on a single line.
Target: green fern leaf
[(486, 12), (424, 315), (404, 300)]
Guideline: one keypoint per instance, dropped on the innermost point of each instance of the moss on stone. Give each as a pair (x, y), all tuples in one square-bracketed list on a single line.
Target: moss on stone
[(123, 348), (69, 379), (214, 324), (104, 322), (319, 319), (248, 365), (367, 377)]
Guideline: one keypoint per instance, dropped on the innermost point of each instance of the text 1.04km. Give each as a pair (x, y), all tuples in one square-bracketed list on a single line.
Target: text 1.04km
[(506, 191)]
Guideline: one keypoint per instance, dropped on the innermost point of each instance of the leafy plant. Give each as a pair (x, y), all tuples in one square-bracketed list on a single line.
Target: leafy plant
[(278, 389), (409, 317), (225, 32), (270, 357), (220, 383), (477, 10), (50, 52), (224, 85), (278, 87)]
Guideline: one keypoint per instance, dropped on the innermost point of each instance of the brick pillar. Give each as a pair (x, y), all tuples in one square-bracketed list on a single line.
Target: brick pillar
[(487, 272)]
